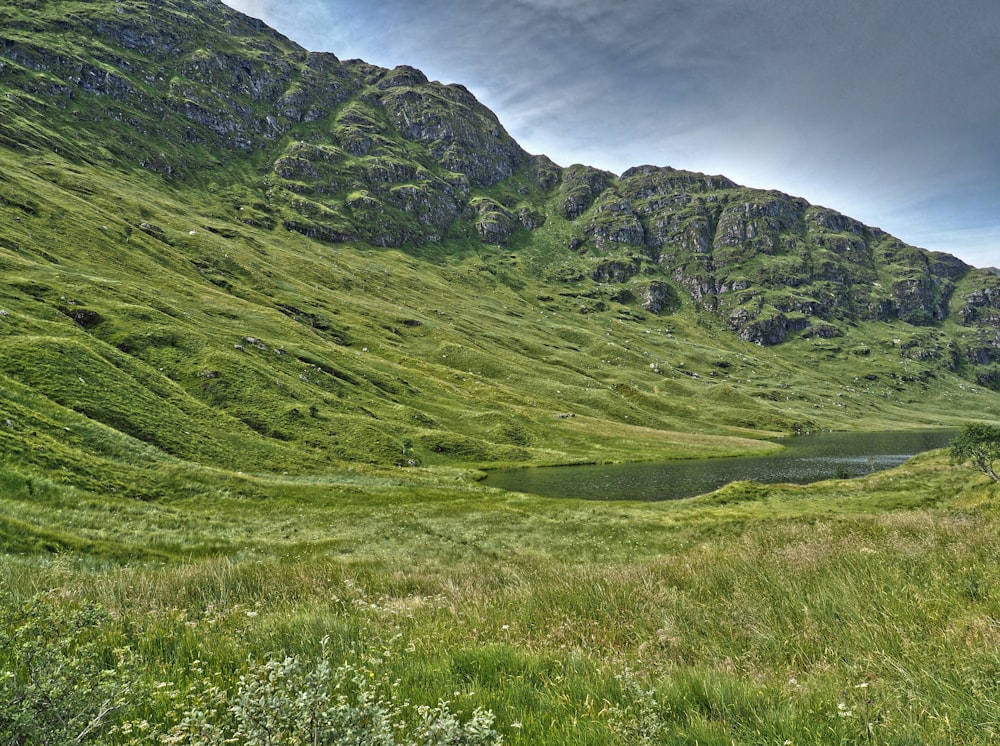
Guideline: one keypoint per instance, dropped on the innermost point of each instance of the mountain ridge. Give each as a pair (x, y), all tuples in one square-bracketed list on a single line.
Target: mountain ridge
[(326, 259)]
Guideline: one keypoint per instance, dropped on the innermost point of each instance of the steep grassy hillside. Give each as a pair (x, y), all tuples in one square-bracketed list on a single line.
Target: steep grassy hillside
[(134, 312), (219, 248)]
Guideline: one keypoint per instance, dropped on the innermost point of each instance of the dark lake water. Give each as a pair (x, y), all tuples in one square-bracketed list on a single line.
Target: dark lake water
[(806, 458)]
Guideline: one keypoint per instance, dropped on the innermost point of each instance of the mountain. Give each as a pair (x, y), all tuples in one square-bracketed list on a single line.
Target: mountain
[(221, 248)]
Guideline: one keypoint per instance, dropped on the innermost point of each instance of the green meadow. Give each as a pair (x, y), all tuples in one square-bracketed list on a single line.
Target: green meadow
[(851, 611)]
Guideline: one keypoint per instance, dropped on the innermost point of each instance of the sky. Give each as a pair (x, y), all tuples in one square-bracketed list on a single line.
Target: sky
[(885, 110)]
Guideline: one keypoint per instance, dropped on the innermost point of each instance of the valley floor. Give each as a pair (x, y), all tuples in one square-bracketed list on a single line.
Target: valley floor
[(850, 611)]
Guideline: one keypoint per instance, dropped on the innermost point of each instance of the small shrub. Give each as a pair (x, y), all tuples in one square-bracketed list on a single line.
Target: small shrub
[(640, 721), (59, 684), (291, 701), (980, 444)]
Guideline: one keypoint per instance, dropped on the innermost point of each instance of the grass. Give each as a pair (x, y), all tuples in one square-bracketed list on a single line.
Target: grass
[(213, 464), (848, 611)]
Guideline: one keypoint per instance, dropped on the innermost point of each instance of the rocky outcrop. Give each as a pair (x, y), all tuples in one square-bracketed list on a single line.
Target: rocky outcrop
[(494, 223), (659, 297), (977, 307), (614, 223), (158, 79), (981, 305), (766, 330), (658, 186), (461, 134), (580, 186), (917, 301), (772, 264), (617, 271), (831, 221), (758, 225), (546, 174)]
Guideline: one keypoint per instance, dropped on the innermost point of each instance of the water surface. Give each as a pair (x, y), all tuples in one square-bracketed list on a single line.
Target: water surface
[(806, 458)]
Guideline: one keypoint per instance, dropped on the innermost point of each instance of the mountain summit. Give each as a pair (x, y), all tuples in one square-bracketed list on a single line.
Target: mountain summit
[(240, 252)]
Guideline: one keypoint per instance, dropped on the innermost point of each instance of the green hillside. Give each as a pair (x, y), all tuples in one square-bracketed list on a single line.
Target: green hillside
[(265, 315), (252, 257)]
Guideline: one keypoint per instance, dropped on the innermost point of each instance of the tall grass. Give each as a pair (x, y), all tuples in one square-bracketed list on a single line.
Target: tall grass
[(829, 614)]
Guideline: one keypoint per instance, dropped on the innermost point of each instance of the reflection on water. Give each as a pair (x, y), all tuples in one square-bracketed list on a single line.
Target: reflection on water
[(806, 458)]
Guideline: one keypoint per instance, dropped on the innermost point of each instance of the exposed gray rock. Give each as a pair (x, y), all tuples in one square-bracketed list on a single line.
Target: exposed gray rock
[(615, 270), (530, 219), (494, 223), (462, 134), (547, 174), (404, 75), (613, 222), (658, 297), (758, 225), (834, 222), (981, 305), (766, 331), (580, 186)]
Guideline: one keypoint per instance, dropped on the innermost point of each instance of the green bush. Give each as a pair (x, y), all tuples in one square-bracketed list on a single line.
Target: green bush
[(59, 684), (980, 444), (296, 702)]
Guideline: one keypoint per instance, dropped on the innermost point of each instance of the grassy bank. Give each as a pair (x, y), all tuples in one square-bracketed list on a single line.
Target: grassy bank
[(846, 612)]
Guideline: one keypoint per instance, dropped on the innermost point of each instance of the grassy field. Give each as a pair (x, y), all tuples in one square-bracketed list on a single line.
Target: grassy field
[(859, 611)]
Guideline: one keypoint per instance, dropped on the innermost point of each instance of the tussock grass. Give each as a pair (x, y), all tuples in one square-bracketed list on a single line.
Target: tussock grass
[(848, 611)]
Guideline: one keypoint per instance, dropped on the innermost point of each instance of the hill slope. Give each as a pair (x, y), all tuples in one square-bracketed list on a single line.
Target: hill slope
[(220, 248)]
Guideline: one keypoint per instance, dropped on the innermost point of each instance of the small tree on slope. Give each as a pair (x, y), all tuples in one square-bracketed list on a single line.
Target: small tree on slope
[(979, 444)]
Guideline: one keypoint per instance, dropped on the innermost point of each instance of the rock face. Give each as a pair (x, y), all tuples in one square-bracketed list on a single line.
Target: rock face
[(494, 223), (195, 92), (769, 263), (981, 305), (979, 310), (580, 186), (369, 178), (462, 135)]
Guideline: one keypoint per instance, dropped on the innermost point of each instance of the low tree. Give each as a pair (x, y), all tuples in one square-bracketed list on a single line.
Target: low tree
[(980, 444)]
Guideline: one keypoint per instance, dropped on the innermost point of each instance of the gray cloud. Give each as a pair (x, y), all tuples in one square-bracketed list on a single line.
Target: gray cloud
[(884, 110)]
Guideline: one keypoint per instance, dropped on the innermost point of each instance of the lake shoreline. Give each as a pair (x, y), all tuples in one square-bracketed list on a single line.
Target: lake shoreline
[(800, 459)]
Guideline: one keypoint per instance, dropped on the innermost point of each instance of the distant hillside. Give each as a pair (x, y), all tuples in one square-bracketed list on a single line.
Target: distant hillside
[(221, 247)]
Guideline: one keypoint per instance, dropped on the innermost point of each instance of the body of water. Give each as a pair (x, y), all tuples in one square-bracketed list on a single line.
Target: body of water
[(806, 458)]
